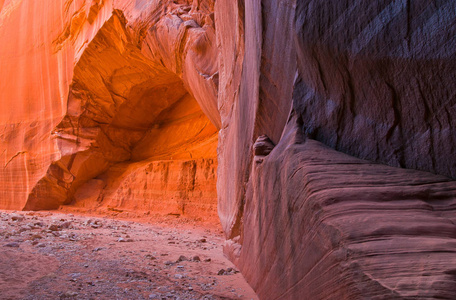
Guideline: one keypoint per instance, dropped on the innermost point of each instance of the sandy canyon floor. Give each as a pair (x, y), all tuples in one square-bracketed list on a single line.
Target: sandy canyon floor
[(75, 255)]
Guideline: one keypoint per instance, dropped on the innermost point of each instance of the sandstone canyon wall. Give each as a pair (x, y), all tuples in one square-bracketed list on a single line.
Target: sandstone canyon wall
[(356, 199), (330, 123), (86, 95)]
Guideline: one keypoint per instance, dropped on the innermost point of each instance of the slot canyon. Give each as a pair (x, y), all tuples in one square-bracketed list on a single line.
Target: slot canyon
[(307, 147)]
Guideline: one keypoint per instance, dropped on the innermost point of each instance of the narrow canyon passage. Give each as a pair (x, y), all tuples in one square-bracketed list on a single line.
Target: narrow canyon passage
[(315, 139)]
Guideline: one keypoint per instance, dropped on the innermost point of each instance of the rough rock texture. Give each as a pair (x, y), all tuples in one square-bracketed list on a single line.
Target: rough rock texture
[(56, 255), (178, 187), (349, 189)]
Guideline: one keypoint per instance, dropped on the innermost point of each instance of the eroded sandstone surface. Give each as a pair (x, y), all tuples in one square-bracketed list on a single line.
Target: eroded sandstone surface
[(140, 94), (330, 124)]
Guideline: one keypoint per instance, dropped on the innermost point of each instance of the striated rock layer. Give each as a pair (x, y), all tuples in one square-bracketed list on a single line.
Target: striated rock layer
[(331, 125), (178, 187), (121, 82), (330, 226), (371, 79)]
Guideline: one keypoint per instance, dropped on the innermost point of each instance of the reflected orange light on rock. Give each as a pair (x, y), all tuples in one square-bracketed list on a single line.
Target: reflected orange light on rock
[(100, 95)]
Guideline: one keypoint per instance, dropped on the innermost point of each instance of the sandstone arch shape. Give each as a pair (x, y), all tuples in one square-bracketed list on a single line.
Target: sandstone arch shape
[(129, 104)]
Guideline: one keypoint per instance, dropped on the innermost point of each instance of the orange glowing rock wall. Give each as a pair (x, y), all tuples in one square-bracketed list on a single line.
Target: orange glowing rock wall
[(87, 85), (179, 187), (34, 83)]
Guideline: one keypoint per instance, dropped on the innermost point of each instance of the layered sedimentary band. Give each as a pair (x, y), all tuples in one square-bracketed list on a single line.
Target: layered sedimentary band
[(320, 132)]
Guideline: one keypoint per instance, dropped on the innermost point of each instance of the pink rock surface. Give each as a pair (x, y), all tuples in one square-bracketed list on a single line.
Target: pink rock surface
[(327, 225), (133, 104), (308, 222)]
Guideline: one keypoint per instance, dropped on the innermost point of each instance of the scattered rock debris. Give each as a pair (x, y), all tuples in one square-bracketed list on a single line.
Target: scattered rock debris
[(50, 255)]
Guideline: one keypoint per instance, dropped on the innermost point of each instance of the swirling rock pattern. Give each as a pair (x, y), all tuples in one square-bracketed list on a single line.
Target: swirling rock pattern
[(134, 104), (372, 80), (129, 82)]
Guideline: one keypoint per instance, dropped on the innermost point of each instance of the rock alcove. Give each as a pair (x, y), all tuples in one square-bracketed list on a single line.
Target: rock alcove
[(140, 131)]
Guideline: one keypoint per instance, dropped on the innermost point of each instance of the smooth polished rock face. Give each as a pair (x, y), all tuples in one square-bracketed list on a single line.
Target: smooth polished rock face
[(330, 226), (257, 68), (374, 80), (330, 123), (377, 80)]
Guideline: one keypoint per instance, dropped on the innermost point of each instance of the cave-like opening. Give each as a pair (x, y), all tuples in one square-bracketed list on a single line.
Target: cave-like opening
[(134, 136)]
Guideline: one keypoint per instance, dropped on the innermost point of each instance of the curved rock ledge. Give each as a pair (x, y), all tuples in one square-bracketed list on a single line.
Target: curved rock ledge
[(325, 224)]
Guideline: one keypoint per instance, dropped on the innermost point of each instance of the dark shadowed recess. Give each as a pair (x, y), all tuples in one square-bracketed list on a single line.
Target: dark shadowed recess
[(377, 80)]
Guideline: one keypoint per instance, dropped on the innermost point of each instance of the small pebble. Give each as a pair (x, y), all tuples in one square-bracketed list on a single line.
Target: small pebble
[(66, 224), (69, 294), (17, 218), (182, 258), (221, 272), (53, 227)]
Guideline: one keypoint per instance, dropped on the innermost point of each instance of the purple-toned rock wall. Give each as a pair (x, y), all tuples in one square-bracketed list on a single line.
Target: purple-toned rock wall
[(377, 80), (356, 200)]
